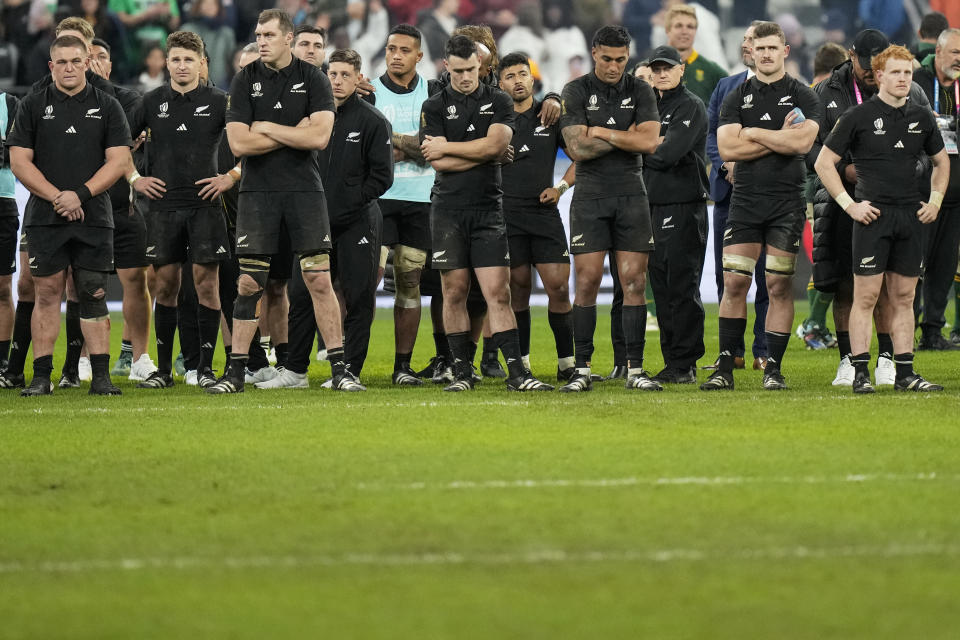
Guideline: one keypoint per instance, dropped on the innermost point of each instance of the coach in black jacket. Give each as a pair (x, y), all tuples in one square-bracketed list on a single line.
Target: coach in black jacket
[(676, 179), (356, 168)]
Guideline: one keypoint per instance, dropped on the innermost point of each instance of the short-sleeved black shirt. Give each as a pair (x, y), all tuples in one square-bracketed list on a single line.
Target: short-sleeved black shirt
[(69, 136), (183, 136), (765, 106), (534, 154), (462, 118), (591, 102), (885, 143), (285, 97)]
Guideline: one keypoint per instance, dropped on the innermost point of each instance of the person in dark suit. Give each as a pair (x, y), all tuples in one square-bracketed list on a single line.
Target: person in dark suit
[(721, 186)]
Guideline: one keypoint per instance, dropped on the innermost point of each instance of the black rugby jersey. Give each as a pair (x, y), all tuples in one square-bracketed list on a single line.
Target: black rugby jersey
[(69, 136), (757, 104), (534, 154), (885, 143), (183, 136), (285, 97), (591, 102), (462, 118)]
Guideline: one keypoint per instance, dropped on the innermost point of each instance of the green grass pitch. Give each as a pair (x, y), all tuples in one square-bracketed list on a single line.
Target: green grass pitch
[(410, 513)]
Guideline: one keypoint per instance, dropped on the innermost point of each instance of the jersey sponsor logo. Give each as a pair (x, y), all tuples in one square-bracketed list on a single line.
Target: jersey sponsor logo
[(747, 101), (71, 130), (832, 105), (541, 131), (485, 109), (727, 233), (866, 262), (625, 103), (452, 113), (220, 249), (33, 260), (363, 240), (182, 127), (566, 254), (93, 113), (201, 112), (278, 105), (577, 240), (151, 251), (592, 103), (438, 256), (784, 102), (48, 113), (686, 123), (241, 241), (666, 223), (899, 145), (353, 136), (611, 120), (471, 128), (912, 128), (256, 90), (298, 88), (878, 123), (163, 110), (524, 149), (765, 116), (326, 238)]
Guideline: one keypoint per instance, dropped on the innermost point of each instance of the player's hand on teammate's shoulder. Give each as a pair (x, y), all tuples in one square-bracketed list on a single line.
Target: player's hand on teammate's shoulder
[(549, 112)]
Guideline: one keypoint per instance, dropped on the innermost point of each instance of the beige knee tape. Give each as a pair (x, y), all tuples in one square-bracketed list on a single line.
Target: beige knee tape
[(408, 264), (317, 262), (781, 265), (740, 265), (384, 252)]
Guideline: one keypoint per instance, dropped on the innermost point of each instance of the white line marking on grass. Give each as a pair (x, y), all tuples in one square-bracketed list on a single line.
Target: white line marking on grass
[(603, 483), (541, 557)]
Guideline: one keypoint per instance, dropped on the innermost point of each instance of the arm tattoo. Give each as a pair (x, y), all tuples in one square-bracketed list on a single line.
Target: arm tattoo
[(584, 148)]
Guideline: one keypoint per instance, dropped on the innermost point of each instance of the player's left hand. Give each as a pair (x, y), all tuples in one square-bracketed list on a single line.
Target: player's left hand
[(432, 147), (364, 88), (139, 141), (746, 133), (788, 122), (507, 156), (549, 112), (261, 126), (215, 186), (927, 212), (549, 196)]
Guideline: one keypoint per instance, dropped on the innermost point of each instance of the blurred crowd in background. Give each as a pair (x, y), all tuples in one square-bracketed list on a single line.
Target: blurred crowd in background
[(554, 33)]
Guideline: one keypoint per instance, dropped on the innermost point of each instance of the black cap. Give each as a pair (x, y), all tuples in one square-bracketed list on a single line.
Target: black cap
[(667, 54), (869, 43)]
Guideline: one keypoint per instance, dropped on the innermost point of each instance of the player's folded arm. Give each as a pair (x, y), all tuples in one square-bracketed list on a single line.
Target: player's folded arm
[(485, 149), (314, 136), (733, 148)]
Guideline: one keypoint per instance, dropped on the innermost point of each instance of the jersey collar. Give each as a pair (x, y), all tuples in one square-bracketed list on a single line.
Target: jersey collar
[(62, 97), (396, 88)]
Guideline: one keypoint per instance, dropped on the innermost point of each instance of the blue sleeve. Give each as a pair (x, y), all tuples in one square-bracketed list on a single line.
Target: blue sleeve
[(713, 121)]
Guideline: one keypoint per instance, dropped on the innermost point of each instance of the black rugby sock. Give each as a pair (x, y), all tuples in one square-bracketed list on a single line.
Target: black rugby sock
[(237, 365), (843, 343), (584, 326), (562, 326), (257, 356), (459, 347), (731, 334), (472, 352), (43, 367), (126, 347), (860, 362), (74, 338), (401, 361), (337, 362), (489, 349), (165, 326), (282, 349), (635, 333), (904, 364), (885, 342), (776, 347), (208, 321), (509, 342), (100, 363), (21, 337), (523, 330), (4, 349), (441, 345)]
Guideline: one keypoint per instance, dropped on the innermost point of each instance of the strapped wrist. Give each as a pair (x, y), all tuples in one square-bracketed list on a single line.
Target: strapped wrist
[(844, 200)]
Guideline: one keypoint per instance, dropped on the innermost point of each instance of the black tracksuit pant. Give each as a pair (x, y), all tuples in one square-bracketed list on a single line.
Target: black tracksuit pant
[(941, 242), (354, 261), (675, 267)]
